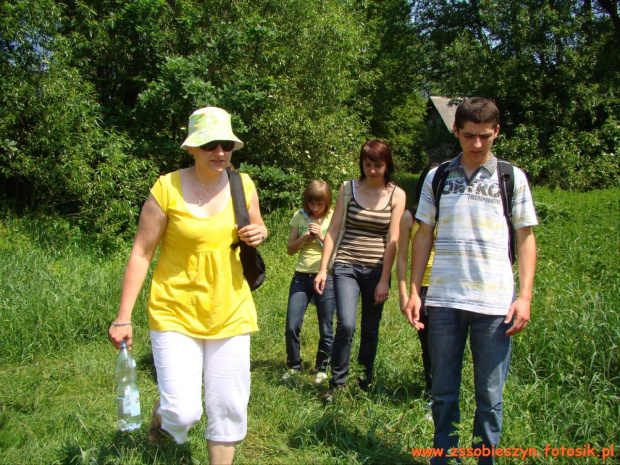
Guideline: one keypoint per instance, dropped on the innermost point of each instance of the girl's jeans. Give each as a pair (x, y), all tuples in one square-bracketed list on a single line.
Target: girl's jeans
[(351, 281), (300, 292)]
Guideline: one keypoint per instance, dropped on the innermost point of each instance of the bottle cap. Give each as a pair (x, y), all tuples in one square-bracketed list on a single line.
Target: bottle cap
[(123, 345)]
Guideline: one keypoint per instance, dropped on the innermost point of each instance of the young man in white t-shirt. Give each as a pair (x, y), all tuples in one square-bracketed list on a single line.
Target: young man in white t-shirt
[(471, 290)]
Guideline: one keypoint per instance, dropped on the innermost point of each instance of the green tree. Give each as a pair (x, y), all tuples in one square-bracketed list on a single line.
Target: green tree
[(54, 154), (548, 66), (398, 108), (287, 71)]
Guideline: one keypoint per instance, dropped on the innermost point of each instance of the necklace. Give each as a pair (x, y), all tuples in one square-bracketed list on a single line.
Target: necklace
[(208, 191)]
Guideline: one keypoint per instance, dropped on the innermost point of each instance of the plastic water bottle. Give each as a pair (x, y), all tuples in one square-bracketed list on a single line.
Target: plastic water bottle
[(127, 395)]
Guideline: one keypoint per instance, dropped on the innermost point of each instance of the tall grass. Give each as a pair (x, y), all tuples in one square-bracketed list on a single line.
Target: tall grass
[(57, 298)]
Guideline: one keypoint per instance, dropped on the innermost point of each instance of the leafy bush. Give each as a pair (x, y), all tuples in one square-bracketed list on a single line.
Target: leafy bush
[(56, 157), (276, 188), (523, 150), (570, 160)]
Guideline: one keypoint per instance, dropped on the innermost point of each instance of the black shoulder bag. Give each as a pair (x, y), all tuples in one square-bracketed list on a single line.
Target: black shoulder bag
[(253, 264)]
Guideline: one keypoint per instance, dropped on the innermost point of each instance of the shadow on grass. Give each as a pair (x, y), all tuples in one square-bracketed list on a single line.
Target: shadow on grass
[(403, 392), (147, 364), (344, 439), (126, 447), (271, 372)]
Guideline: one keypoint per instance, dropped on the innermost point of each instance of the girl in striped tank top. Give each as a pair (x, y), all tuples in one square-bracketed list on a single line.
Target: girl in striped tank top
[(363, 259)]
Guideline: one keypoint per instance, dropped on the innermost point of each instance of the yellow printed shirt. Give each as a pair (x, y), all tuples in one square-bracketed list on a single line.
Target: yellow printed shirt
[(427, 274), (309, 260), (198, 288)]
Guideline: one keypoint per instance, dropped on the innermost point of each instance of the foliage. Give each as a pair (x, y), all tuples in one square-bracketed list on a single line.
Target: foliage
[(575, 160), (277, 190), (398, 108), (55, 156), (95, 96), (58, 295), (552, 67)]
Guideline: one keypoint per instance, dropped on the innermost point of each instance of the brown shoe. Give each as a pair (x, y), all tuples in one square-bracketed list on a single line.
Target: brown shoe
[(156, 434)]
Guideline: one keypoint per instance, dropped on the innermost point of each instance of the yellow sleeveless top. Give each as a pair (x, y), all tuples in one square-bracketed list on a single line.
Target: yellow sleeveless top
[(427, 274), (198, 288)]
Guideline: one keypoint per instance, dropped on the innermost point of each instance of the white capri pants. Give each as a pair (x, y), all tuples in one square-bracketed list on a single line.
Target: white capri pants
[(183, 363)]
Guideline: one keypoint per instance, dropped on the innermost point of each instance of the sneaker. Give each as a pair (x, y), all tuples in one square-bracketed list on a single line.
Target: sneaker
[(363, 384), (320, 377), (429, 412), (291, 374), (329, 396)]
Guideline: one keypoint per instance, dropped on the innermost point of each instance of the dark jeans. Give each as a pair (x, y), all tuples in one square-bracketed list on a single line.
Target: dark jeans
[(351, 281), (490, 353), (300, 292)]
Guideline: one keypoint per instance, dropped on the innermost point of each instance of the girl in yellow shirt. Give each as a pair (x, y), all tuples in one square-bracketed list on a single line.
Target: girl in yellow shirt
[(308, 228)]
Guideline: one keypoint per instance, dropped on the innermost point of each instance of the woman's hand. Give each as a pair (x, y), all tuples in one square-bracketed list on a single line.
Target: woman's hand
[(307, 237), (314, 230), (120, 333), (412, 311), (381, 292), (253, 234), (319, 282)]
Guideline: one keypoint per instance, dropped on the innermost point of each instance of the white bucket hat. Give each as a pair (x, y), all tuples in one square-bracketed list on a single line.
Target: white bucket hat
[(208, 124)]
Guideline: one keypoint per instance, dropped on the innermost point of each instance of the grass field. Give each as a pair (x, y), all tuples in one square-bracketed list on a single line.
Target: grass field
[(57, 404)]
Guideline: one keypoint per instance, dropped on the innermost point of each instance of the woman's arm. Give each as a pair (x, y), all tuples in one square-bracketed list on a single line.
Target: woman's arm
[(398, 207), (151, 227), (295, 241), (402, 259), (420, 253), (255, 233), (328, 243)]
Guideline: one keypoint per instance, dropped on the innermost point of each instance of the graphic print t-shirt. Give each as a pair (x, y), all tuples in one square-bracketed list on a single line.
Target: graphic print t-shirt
[(471, 269)]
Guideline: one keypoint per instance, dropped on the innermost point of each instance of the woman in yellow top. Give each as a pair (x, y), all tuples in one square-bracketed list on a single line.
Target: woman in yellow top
[(201, 311), (408, 228)]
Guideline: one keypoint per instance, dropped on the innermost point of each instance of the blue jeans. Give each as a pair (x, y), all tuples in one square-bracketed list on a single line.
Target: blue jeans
[(351, 281), (300, 292), (490, 349)]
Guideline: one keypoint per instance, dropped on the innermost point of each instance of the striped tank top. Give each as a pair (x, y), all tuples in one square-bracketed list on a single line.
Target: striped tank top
[(365, 235)]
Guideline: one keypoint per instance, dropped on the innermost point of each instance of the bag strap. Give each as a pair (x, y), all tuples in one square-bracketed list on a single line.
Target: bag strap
[(239, 203), (506, 188), (346, 198), (439, 181), (348, 189)]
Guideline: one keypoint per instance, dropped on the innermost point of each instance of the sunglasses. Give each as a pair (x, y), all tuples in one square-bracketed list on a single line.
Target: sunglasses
[(227, 145)]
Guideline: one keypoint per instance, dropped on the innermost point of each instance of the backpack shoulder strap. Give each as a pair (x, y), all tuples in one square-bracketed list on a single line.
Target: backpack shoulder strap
[(506, 178), (238, 197), (347, 191), (439, 181), (507, 185)]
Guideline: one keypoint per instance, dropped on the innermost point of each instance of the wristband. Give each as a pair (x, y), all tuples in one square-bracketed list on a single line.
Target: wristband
[(122, 323)]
